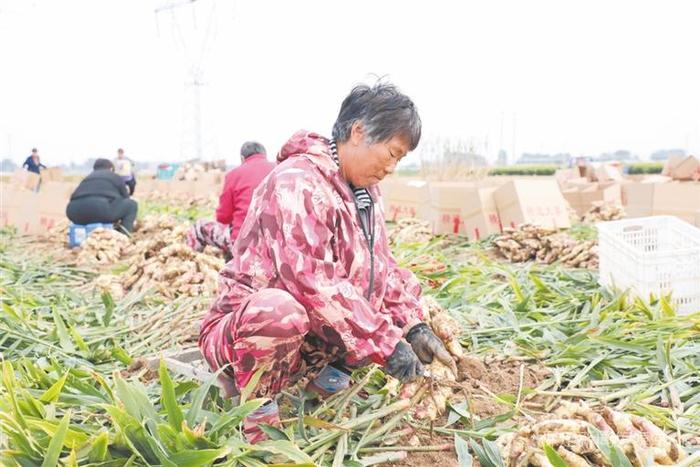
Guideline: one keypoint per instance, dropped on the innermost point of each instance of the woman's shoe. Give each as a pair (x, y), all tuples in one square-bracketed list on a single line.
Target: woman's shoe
[(268, 414)]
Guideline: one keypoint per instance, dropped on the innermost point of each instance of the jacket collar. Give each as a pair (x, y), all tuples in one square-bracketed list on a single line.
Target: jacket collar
[(254, 157)]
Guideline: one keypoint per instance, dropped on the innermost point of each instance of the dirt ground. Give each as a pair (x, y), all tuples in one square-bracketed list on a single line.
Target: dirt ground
[(435, 459), (497, 376), (481, 377)]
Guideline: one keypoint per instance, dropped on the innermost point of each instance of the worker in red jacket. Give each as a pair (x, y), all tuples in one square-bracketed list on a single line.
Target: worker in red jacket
[(239, 185)]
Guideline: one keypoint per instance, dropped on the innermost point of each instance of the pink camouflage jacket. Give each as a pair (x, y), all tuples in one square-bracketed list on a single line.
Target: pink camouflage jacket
[(302, 235)]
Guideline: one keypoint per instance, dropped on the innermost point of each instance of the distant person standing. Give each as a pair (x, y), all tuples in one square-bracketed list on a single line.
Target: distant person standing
[(124, 167), (33, 163), (102, 196), (239, 185)]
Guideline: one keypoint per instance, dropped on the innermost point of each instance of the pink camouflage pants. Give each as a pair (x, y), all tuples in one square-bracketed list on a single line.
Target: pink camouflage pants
[(270, 330), (205, 232)]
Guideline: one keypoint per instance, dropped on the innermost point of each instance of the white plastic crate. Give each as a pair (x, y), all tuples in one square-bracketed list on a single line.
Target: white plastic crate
[(652, 255)]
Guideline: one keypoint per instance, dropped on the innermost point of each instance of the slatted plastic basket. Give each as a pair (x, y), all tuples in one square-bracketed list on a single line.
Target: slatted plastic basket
[(652, 255)]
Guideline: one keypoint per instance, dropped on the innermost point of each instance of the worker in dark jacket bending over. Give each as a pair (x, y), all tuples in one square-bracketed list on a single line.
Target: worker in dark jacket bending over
[(102, 196)]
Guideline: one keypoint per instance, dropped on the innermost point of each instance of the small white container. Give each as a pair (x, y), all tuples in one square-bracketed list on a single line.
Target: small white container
[(652, 255)]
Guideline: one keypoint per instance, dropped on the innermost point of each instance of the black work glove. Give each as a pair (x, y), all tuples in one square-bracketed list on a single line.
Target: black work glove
[(403, 364), (428, 346)]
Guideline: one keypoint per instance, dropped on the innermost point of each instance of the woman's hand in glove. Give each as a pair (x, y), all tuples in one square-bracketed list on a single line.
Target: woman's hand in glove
[(403, 364), (428, 346)]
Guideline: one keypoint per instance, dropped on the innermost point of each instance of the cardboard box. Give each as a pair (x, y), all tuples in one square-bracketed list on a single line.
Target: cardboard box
[(581, 198), (463, 208), (670, 165), (608, 172), (479, 214), (655, 179), (638, 199), (537, 202), (446, 201), (24, 179), (18, 208), (564, 176), (145, 186), (5, 203), (408, 199), (182, 187), (25, 220), (575, 182), (52, 174), (384, 192), (52, 200), (687, 169), (62, 190), (589, 171), (680, 199), (208, 184)]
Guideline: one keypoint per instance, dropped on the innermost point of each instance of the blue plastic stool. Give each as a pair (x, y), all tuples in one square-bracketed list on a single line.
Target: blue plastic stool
[(77, 234)]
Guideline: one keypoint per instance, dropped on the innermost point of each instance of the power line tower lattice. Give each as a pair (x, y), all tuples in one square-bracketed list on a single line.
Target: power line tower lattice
[(195, 42)]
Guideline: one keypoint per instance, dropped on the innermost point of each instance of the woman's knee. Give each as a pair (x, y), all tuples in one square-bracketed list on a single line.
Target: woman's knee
[(273, 312)]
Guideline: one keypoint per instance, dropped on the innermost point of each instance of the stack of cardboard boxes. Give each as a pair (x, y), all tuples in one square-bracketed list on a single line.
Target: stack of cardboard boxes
[(682, 168), (207, 183), (476, 209), (34, 204), (584, 186), (581, 197), (675, 192)]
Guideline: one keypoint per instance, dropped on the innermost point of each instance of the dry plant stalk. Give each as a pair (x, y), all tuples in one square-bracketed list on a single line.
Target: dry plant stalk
[(445, 171)]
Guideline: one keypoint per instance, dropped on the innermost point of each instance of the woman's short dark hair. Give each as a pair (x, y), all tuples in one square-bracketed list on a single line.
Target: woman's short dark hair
[(252, 147), (103, 164), (384, 112)]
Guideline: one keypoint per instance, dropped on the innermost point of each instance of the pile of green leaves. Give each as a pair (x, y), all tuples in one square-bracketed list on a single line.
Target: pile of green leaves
[(50, 411), (52, 309), (64, 399)]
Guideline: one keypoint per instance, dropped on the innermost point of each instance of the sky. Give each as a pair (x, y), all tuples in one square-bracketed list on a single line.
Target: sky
[(80, 78)]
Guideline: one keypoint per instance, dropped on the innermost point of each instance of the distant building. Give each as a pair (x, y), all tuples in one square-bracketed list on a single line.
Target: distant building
[(621, 155), (663, 154), (7, 165)]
